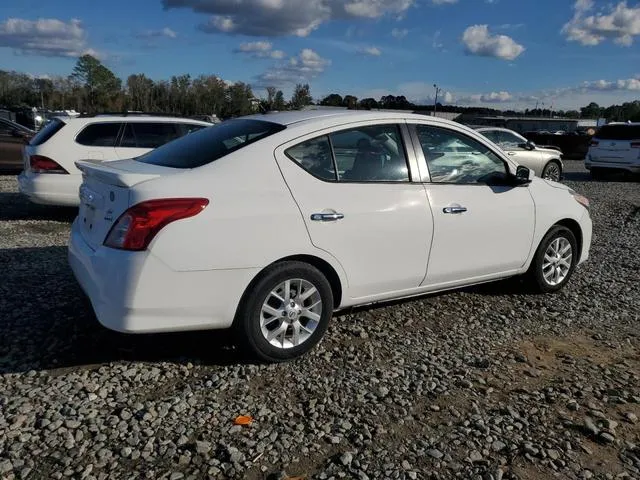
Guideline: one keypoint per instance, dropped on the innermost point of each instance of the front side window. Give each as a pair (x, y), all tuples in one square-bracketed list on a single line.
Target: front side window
[(363, 154), (452, 157), (99, 134), (493, 135), (511, 140)]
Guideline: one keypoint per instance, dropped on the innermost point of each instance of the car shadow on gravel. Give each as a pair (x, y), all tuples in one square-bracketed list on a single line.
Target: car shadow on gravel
[(48, 324), (14, 206)]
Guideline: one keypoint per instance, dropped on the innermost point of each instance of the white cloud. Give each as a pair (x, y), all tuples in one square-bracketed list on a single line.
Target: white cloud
[(621, 24), (479, 41), (260, 49), (371, 51), (492, 97), (46, 36), (626, 84), (165, 32), (302, 68), (284, 17), (399, 33)]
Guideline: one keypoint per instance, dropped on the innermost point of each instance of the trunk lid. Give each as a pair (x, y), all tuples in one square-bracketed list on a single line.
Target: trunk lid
[(105, 193)]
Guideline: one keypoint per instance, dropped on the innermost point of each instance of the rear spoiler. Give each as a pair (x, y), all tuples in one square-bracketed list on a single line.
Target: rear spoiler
[(109, 173)]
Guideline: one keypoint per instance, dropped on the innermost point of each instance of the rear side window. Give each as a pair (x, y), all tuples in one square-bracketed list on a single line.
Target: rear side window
[(619, 132), (148, 134), (99, 134), (210, 144), (53, 127)]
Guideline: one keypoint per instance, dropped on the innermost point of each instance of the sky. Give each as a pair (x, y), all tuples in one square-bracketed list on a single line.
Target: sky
[(560, 54)]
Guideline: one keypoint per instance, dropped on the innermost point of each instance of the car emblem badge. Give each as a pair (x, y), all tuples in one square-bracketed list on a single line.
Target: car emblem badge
[(112, 196)]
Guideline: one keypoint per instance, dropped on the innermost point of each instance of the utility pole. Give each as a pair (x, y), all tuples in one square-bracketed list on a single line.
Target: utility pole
[(435, 101)]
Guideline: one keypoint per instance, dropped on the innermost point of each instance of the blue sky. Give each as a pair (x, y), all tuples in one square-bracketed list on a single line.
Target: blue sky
[(501, 53)]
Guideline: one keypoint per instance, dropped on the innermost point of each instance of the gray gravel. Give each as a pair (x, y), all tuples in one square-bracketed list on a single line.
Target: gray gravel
[(485, 383)]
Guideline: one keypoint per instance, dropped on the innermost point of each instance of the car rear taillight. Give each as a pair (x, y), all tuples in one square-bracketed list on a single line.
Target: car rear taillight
[(136, 227), (42, 164), (594, 143)]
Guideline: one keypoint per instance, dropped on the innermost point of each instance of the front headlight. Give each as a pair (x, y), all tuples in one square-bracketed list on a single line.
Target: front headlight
[(581, 199)]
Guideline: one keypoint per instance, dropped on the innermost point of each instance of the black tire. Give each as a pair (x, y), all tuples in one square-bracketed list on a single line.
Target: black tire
[(535, 274), (549, 166), (248, 317)]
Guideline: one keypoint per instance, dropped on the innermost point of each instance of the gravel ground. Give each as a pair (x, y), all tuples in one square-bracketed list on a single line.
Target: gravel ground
[(485, 383)]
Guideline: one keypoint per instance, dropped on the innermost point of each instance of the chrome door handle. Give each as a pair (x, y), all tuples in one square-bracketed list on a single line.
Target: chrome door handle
[(326, 217), (511, 153), (454, 209)]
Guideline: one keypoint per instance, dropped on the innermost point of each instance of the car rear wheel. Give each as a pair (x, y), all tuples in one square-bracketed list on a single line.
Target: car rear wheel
[(285, 313), (552, 171), (554, 261)]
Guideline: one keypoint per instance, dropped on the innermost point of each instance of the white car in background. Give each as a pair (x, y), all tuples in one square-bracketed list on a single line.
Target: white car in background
[(312, 212), (614, 147), (50, 176), (546, 162)]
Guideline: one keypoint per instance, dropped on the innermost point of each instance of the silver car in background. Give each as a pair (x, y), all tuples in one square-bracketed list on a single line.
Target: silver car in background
[(546, 162)]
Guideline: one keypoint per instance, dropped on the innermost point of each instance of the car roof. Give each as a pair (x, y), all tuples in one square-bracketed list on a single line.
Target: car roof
[(321, 115), (131, 119)]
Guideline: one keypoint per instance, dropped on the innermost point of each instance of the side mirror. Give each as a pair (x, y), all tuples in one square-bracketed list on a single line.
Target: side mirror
[(530, 145), (523, 175)]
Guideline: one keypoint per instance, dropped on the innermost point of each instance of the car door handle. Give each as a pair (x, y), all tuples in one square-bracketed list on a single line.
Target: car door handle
[(511, 153), (326, 217), (456, 209)]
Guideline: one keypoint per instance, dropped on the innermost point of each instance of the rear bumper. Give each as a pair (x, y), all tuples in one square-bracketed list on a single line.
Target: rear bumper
[(50, 189), (135, 292)]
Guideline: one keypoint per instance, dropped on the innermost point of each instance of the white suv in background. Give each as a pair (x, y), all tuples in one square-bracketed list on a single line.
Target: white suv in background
[(50, 175), (615, 146)]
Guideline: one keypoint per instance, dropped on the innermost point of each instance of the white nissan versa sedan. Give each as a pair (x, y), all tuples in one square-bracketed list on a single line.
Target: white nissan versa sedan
[(272, 222)]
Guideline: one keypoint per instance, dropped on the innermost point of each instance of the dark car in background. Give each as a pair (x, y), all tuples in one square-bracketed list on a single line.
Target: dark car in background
[(13, 137)]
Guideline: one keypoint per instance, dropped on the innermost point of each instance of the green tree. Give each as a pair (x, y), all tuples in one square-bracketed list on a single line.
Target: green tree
[(333, 100), (278, 101), (350, 102), (301, 96), (593, 110), (100, 85), (368, 103)]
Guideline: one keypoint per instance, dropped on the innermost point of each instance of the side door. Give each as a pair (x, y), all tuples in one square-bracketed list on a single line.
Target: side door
[(139, 138), (355, 192), (483, 227)]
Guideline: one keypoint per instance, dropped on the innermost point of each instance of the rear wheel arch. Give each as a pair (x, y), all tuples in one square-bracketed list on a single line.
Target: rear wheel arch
[(322, 265)]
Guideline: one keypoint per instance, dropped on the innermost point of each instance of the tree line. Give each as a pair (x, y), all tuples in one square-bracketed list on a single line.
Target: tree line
[(93, 88)]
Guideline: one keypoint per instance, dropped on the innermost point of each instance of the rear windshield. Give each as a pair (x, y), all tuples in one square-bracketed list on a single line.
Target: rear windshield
[(210, 144), (48, 131), (619, 132)]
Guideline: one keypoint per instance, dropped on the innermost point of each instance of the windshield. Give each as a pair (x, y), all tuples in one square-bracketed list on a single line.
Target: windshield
[(210, 144)]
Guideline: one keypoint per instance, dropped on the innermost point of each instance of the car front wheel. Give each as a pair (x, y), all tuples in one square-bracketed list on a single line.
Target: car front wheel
[(555, 260), (552, 171), (285, 313)]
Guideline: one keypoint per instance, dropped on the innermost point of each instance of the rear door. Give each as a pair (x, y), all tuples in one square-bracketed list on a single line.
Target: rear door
[(616, 144), (99, 140), (139, 138), (359, 203)]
